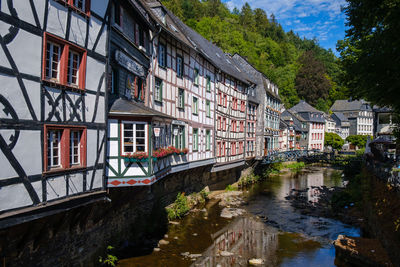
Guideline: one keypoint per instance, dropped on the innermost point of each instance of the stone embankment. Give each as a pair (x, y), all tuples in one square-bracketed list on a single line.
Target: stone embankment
[(357, 251)]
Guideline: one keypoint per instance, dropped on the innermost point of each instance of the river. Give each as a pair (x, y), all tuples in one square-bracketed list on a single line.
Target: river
[(271, 230)]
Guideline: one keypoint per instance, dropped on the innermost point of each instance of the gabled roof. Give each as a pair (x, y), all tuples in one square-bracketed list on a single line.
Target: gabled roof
[(340, 116), (348, 105), (123, 107), (328, 117), (211, 52), (303, 106), (169, 26), (297, 120)]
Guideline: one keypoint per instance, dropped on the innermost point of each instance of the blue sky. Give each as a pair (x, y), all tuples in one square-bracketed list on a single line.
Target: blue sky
[(322, 19)]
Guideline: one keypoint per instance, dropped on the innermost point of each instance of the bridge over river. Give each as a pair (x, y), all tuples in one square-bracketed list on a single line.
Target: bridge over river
[(309, 156)]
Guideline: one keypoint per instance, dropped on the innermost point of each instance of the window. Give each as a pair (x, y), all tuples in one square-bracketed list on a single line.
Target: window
[(181, 98), (75, 154), (63, 62), (82, 6), (65, 147), (240, 147), (134, 137), (208, 139), (195, 109), (162, 55), (195, 139), (233, 125), (224, 124), (234, 103), (241, 126), (208, 109), (196, 77), (223, 148), (233, 148), (179, 134), (225, 100), (219, 123), (179, 66), (219, 151), (158, 90), (208, 84)]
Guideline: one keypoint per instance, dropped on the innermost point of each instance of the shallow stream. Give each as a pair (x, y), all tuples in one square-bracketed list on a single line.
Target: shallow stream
[(271, 230)]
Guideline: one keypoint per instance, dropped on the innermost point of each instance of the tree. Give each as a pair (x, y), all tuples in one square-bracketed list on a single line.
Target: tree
[(333, 140), (370, 52), (357, 140), (311, 80)]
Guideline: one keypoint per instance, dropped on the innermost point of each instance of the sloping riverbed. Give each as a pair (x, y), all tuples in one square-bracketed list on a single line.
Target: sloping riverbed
[(270, 229)]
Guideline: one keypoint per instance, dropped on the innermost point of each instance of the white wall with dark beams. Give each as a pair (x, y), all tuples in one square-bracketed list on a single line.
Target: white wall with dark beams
[(29, 103)]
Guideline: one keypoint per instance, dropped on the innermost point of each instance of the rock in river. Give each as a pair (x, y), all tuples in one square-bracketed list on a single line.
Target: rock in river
[(231, 212)]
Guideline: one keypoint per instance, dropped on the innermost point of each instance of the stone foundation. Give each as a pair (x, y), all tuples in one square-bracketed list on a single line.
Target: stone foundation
[(77, 237)]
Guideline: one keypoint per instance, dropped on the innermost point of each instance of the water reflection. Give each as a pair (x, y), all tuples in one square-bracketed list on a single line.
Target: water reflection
[(272, 230), (243, 239)]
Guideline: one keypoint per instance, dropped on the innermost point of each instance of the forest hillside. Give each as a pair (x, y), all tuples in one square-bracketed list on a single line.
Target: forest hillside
[(300, 67)]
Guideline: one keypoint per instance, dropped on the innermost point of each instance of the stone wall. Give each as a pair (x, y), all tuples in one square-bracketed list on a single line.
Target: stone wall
[(78, 237)]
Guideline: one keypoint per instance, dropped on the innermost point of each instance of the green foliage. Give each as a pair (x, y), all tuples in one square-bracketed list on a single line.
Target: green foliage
[(311, 81), (296, 166), (333, 140), (357, 140), (204, 194), (179, 208), (249, 179), (259, 38), (109, 260), (230, 187), (369, 52)]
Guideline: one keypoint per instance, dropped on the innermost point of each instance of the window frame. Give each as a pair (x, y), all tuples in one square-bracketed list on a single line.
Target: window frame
[(122, 151), (196, 77), (70, 4), (179, 68), (195, 105), (163, 57), (208, 140), (208, 83), (195, 140), (160, 89), (65, 148), (63, 63), (208, 108), (181, 98)]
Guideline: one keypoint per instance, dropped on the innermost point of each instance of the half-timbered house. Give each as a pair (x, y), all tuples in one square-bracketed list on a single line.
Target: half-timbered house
[(135, 130), (182, 86), (52, 123), (272, 117), (230, 101)]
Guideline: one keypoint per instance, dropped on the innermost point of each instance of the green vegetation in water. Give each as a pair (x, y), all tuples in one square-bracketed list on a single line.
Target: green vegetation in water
[(183, 204), (296, 166), (230, 187), (179, 208), (109, 260), (249, 179)]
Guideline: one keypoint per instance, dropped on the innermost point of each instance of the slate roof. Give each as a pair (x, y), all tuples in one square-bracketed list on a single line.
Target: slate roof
[(347, 105), (340, 119), (282, 124), (123, 107), (297, 120), (328, 117), (169, 27), (211, 52), (303, 106)]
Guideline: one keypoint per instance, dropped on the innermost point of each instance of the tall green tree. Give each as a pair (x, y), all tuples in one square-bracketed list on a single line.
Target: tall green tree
[(333, 140), (370, 53), (311, 81)]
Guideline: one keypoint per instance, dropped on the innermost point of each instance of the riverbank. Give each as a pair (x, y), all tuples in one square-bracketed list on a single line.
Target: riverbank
[(256, 222)]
